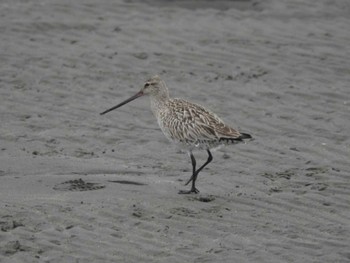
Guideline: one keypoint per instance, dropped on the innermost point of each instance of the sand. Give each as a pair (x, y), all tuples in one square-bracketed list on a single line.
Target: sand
[(79, 187)]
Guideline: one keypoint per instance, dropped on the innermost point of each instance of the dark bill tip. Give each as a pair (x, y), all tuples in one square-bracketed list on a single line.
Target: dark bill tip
[(139, 94)]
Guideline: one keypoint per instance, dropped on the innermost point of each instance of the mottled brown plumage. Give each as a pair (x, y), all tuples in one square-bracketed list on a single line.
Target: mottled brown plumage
[(186, 124), (193, 125)]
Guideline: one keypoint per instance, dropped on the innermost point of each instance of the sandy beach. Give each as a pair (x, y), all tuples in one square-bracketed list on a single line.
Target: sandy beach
[(79, 187)]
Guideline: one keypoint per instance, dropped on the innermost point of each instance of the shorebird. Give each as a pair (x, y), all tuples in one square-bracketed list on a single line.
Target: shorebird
[(186, 124)]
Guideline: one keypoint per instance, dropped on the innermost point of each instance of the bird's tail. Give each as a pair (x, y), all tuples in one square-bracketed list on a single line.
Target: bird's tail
[(240, 138), (245, 136)]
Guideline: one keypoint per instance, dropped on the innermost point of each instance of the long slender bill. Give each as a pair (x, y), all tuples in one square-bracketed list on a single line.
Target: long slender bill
[(139, 94)]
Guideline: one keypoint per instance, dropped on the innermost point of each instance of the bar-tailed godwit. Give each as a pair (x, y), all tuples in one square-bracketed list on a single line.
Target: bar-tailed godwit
[(189, 125)]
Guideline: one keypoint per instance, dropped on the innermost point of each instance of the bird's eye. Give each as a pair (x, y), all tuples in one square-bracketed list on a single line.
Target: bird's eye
[(146, 85)]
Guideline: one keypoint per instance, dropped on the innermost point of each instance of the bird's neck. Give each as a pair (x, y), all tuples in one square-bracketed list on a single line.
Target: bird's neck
[(159, 102)]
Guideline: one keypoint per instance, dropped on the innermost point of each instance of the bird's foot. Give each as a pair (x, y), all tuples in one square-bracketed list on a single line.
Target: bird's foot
[(192, 191)]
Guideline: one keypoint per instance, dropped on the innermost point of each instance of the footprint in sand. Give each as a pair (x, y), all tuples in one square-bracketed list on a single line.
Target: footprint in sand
[(78, 185)]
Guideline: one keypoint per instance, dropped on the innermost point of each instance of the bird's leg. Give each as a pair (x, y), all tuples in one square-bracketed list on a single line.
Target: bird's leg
[(210, 158), (195, 173), (193, 160), (193, 168)]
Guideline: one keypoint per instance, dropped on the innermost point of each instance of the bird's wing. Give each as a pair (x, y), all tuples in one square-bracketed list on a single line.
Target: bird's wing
[(192, 122)]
